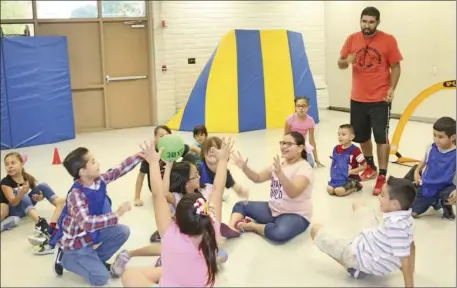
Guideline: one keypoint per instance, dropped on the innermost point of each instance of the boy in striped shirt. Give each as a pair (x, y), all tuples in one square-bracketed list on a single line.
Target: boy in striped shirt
[(382, 249)]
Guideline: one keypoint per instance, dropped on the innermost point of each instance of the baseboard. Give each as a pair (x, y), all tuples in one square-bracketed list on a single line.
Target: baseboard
[(393, 115)]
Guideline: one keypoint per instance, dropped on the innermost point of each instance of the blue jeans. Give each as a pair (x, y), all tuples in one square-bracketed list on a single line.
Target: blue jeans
[(47, 191), (278, 229), (422, 203), (89, 263), (27, 203)]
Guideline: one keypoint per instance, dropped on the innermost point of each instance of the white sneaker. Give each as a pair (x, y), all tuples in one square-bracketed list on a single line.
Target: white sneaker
[(37, 239), (9, 223), (226, 195), (44, 249)]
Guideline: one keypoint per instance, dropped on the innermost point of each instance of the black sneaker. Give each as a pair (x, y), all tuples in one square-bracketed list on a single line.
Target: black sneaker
[(448, 212), (58, 268), (437, 205), (108, 266), (155, 237), (357, 274), (42, 226)]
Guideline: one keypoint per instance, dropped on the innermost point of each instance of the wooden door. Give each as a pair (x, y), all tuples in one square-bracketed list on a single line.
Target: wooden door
[(127, 74)]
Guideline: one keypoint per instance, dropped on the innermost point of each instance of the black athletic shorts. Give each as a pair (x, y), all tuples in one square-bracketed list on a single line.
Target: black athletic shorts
[(366, 117)]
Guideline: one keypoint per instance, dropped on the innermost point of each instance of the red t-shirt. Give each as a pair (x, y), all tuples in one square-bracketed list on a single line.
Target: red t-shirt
[(371, 71), (356, 158)]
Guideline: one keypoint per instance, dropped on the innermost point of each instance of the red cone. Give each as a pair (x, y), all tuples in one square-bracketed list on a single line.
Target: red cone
[(56, 158)]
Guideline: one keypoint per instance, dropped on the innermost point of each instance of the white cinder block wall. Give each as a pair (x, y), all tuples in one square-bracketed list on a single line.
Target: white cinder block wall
[(194, 28)]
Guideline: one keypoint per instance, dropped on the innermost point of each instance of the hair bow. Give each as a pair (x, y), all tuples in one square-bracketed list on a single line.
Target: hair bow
[(204, 208)]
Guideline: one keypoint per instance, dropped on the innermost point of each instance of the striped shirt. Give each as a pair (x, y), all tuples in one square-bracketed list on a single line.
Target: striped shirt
[(378, 250), (78, 222)]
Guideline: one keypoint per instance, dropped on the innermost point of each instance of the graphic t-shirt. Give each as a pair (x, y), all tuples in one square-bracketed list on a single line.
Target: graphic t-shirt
[(371, 71), (281, 203)]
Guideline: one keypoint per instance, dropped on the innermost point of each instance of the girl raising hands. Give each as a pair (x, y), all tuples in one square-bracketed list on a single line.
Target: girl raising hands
[(189, 242)]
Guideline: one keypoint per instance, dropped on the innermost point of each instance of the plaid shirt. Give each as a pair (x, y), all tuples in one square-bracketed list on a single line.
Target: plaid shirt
[(78, 222)]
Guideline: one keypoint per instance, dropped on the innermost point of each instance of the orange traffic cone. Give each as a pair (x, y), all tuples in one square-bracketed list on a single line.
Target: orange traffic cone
[(56, 158)]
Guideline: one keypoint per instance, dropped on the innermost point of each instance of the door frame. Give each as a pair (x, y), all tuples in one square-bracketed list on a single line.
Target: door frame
[(148, 20)]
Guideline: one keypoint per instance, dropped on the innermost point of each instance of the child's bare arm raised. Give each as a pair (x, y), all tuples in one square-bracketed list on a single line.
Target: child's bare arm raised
[(223, 156), (161, 209)]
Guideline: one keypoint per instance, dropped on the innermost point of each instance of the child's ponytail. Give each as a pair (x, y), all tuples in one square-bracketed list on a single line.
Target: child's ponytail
[(29, 178), (208, 246)]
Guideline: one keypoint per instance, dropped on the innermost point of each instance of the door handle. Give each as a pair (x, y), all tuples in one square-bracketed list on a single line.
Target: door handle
[(124, 78)]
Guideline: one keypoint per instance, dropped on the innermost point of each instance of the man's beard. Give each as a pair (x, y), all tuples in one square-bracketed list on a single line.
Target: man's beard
[(368, 31)]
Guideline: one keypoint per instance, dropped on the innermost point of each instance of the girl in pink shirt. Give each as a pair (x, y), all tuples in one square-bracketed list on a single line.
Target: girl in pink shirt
[(301, 122), (289, 211), (189, 241)]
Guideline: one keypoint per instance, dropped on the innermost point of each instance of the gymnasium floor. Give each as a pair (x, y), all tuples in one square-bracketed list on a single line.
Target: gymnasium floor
[(252, 260)]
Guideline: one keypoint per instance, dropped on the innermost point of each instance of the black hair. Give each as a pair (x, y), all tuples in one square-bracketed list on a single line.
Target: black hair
[(301, 98), (299, 140), (180, 174), (200, 129), (164, 127), (193, 224), (446, 125), (27, 177), (209, 143), (75, 161), (402, 190), (371, 11), (347, 126)]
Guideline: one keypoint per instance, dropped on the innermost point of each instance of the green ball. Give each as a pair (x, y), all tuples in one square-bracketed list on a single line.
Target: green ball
[(173, 147)]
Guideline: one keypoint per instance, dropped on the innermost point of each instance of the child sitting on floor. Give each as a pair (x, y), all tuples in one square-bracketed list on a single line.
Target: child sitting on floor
[(20, 192), (90, 232), (347, 163), (179, 179), (190, 241), (200, 135), (377, 250), (304, 124), (435, 176)]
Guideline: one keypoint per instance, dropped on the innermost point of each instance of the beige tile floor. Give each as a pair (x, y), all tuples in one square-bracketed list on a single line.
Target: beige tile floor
[(252, 260)]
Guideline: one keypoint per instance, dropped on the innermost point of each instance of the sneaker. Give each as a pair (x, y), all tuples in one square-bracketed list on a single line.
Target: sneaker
[(9, 223), (44, 249), (155, 237), (107, 266), (357, 274), (226, 195), (379, 184), (437, 205), (37, 239), (368, 174), (58, 268), (448, 212), (159, 262), (119, 264), (359, 187), (42, 226)]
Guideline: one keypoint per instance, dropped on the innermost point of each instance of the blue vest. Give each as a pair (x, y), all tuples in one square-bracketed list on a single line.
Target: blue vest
[(204, 174), (439, 172), (339, 172), (99, 204)]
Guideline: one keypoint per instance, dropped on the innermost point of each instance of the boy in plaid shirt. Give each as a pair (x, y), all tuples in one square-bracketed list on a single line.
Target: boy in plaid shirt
[(87, 220)]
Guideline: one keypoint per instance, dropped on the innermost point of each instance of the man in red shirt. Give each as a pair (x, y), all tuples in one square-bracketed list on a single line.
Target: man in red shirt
[(375, 60)]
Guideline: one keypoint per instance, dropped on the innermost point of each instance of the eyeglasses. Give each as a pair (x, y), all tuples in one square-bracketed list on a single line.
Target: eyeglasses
[(301, 106), (287, 144)]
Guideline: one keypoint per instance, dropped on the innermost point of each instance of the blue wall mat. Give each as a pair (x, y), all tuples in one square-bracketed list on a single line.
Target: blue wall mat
[(4, 115), (38, 90)]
